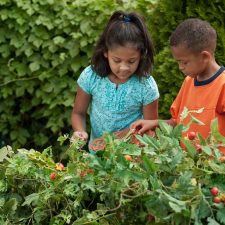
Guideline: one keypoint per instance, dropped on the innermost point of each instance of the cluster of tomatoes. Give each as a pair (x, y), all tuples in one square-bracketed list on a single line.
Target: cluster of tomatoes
[(59, 167), (218, 197)]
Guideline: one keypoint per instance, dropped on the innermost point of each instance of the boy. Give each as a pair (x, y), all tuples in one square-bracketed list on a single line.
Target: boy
[(193, 44)]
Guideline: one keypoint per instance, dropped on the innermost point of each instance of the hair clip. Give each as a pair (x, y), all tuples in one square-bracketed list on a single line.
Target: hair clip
[(126, 19)]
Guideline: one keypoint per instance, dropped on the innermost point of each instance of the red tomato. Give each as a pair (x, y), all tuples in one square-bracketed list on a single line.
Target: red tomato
[(52, 176), (216, 200), (83, 173), (59, 166), (222, 158), (150, 133), (135, 132), (198, 148), (214, 191), (191, 135), (128, 157)]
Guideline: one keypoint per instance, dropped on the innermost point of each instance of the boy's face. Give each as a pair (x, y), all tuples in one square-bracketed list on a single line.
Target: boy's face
[(190, 63), (123, 61)]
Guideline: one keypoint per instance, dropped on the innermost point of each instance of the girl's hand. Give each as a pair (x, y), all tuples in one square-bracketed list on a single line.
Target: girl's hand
[(143, 125), (83, 135)]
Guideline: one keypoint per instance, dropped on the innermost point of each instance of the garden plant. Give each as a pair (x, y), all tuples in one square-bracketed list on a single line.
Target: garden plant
[(158, 181)]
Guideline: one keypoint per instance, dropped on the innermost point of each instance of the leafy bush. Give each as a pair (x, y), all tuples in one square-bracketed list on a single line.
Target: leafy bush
[(44, 45), (159, 183)]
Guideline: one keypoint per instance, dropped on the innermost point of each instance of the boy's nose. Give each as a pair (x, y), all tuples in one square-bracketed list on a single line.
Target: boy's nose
[(181, 67)]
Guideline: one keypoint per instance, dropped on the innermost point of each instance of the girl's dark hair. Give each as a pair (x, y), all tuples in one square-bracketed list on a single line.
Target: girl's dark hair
[(122, 29)]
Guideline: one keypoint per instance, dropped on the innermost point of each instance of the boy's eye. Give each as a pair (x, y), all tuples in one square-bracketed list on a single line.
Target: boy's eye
[(184, 62)]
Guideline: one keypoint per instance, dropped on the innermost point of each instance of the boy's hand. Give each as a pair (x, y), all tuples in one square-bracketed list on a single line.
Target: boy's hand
[(79, 134), (143, 125)]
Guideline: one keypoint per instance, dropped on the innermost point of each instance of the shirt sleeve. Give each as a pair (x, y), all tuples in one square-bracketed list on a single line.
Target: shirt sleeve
[(151, 92), (175, 107), (86, 79), (220, 108)]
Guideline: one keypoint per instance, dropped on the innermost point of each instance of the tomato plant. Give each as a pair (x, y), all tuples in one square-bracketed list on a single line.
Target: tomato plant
[(162, 184)]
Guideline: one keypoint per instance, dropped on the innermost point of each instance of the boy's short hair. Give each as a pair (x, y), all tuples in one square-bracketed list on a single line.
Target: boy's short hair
[(196, 34)]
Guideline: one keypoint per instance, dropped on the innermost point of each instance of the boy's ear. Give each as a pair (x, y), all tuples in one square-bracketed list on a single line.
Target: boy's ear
[(206, 55)]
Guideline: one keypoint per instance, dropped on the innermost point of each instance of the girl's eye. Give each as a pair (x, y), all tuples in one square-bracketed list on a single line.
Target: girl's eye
[(131, 62)]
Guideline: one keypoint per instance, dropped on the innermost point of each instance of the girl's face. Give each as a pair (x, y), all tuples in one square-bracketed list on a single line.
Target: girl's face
[(123, 62), (190, 63)]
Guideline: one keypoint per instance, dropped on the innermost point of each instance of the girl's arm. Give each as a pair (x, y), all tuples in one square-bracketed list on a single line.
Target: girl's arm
[(150, 111), (79, 113), (150, 121)]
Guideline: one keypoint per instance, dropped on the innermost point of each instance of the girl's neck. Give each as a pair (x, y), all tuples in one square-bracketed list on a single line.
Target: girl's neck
[(114, 79)]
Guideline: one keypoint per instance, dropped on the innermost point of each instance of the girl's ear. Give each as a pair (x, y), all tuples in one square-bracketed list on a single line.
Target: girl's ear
[(106, 54)]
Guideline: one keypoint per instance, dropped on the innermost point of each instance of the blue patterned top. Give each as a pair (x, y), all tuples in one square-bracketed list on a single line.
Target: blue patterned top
[(114, 107)]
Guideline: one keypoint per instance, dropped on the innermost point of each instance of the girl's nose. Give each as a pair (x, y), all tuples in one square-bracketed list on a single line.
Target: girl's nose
[(124, 67)]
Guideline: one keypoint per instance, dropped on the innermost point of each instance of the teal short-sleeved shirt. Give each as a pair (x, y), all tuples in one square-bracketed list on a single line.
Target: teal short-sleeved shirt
[(114, 107)]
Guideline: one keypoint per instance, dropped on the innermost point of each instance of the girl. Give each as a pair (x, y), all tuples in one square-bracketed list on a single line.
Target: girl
[(117, 84)]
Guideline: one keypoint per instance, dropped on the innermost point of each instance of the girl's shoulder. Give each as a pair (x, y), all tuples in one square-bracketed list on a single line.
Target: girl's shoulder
[(88, 80), (146, 80), (88, 71), (89, 74)]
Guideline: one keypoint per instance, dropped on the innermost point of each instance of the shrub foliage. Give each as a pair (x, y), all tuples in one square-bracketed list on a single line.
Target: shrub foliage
[(159, 183), (44, 45)]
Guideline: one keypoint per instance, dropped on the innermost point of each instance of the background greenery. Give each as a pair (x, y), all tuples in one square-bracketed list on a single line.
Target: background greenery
[(44, 45)]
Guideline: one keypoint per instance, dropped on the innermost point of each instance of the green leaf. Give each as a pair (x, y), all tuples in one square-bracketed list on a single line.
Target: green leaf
[(207, 150), (34, 66), (184, 114), (166, 128), (195, 120), (212, 221), (215, 131), (58, 40), (10, 206), (177, 131), (149, 165), (152, 142), (31, 198), (220, 169), (203, 210), (177, 208), (190, 148), (75, 66), (220, 215), (5, 152)]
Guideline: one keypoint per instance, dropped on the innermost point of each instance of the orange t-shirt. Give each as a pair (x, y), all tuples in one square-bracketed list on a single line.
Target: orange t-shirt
[(208, 94)]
